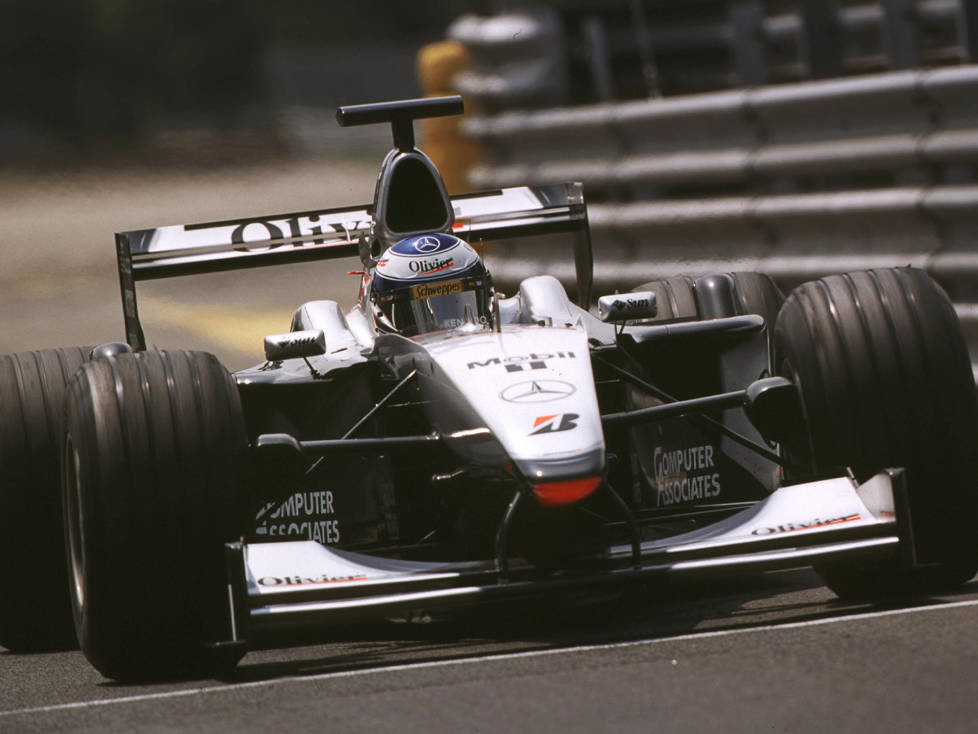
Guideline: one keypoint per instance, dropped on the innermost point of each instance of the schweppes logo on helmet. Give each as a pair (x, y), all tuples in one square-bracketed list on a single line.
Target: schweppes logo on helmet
[(433, 290)]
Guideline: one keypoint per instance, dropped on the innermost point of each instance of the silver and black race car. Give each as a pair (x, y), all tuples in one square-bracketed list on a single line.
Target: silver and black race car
[(442, 445)]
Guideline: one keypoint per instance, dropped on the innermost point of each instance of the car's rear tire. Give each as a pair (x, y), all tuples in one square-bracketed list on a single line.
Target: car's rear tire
[(698, 367), (154, 458), (35, 613), (752, 293), (674, 298), (886, 381), (757, 293)]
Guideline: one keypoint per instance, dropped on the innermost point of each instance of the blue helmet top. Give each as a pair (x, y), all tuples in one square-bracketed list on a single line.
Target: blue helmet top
[(424, 258)]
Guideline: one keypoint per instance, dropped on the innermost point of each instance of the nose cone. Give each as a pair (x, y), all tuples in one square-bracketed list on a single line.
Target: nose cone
[(534, 389), (579, 462)]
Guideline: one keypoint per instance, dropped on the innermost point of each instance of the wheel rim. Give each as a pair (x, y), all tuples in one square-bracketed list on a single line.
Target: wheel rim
[(74, 525)]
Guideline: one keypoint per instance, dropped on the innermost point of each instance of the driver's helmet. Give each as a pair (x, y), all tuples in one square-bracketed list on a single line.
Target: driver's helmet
[(430, 282)]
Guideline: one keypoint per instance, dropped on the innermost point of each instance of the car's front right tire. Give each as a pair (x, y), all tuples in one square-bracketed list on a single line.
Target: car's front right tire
[(153, 464)]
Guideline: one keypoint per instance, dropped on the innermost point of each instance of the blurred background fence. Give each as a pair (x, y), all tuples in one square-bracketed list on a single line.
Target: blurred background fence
[(587, 51), (798, 139)]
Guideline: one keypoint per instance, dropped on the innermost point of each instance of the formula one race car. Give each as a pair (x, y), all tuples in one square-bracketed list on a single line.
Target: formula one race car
[(442, 445)]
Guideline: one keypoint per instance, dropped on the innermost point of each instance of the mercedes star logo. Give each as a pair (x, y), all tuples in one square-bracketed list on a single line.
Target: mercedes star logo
[(427, 244), (537, 391)]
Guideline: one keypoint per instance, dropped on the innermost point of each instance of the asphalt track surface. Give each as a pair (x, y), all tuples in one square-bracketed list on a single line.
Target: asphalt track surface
[(773, 652)]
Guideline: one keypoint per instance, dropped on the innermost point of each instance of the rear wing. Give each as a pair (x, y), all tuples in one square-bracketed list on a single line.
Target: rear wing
[(166, 252)]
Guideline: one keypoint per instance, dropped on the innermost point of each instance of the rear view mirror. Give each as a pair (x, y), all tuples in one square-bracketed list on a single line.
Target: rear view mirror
[(627, 306), (295, 344)]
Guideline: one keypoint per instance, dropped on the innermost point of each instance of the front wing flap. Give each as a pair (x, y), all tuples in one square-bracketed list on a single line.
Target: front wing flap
[(289, 583)]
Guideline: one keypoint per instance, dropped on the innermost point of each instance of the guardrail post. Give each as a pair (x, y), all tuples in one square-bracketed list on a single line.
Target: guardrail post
[(821, 33), (967, 29), (598, 61), (900, 37), (643, 39), (747, 21)]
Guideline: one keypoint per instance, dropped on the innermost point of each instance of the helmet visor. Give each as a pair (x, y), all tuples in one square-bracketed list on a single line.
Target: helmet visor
[(437, 306)]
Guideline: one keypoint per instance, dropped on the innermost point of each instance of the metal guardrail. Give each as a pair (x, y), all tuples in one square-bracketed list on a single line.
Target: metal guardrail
[(797, 180), (614, 50), (887, 122)]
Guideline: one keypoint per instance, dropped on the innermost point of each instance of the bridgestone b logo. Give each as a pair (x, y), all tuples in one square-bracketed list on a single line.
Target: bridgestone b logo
[(554, 423), (433, 290)]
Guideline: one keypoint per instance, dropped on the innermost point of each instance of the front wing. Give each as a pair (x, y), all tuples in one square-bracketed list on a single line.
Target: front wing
[(291, 583)]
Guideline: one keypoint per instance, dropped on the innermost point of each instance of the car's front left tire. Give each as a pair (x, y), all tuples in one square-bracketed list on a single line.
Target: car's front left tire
[(885, 379)]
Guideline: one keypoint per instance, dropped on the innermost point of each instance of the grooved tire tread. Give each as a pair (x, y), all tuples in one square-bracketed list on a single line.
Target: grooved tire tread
[(752, 292), (160, 445), (34, 610), (674, 298), (886, 380), (757, 293)]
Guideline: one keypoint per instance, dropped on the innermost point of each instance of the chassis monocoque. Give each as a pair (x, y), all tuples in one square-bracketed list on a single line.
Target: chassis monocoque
[(694, 425)]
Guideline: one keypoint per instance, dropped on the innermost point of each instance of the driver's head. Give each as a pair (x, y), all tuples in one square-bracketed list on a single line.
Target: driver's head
[(431, 282)]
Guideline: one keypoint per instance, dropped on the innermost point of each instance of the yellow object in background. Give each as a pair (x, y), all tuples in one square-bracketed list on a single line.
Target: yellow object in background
[(441, 138)]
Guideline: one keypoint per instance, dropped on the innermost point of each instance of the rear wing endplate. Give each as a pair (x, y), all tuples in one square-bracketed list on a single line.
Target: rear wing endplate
[(166, 252)]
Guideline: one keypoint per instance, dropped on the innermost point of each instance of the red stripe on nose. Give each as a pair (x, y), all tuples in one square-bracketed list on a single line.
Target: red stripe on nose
[(555, 494)]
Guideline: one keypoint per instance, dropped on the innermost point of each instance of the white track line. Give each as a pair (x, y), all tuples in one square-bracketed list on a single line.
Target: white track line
[(481, 659)]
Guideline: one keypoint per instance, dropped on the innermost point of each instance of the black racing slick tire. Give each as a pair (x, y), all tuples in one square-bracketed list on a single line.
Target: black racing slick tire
[(154, 464), (35, 613), (757, 293), (885, 381), (674, 298)]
